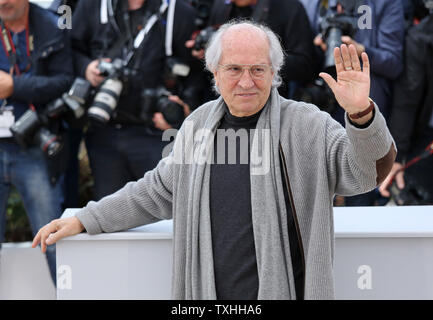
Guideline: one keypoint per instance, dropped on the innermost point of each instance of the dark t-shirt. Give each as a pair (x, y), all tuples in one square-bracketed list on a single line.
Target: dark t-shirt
[(234, 254)]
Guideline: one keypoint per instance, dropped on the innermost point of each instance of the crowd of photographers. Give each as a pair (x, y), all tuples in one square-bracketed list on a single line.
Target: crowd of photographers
[(128, 70)]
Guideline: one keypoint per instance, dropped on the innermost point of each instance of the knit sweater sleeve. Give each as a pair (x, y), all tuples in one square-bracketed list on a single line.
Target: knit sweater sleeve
[(359, 159), (137, 203)]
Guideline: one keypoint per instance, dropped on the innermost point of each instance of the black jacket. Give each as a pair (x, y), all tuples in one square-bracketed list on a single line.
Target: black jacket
[(51, 59), (413, 92), (92, 40), (289, 21)]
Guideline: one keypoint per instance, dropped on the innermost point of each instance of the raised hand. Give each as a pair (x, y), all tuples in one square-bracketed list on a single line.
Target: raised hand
[(352, 87)]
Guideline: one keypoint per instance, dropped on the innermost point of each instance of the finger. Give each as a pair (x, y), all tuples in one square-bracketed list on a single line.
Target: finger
[(329, 80), (347, 40), (339, 66), (384, 192), (36, 239), (324, 46), (399, 178), (45, 232), (44, 237), (354, 57), (317, 40), (365, 63), (347, 62), (175, 99), (383, 189), (190, 43), (199, 54), (54, 237)]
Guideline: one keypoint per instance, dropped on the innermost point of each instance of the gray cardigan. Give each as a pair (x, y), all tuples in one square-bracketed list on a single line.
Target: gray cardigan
[(322, 159)]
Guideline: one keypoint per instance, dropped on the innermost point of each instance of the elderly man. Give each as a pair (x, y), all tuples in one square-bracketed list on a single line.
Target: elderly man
[(244, 231)]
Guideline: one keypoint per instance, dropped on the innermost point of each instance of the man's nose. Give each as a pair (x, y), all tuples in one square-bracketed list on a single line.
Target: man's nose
[(246, 81)]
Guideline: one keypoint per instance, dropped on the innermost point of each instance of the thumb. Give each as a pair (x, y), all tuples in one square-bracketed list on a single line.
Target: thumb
[(329, 81), (383, 189), (190, 43)]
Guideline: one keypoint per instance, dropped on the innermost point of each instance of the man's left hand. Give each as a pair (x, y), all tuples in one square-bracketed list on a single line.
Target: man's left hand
[(352, 87), (6, 85)]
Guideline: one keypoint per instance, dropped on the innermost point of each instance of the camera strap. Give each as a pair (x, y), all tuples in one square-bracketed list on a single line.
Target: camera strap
[(139, 39), (107, 12), (428, 151), (166, 4), (10, 50)]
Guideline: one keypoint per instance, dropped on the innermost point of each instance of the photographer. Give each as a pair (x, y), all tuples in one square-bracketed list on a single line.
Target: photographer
[(287, 19), (382, 41), (121, 49), (36, 68), (411, 122)]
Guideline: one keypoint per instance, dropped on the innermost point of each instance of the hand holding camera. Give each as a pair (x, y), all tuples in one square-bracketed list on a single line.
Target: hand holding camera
[(93, 74)]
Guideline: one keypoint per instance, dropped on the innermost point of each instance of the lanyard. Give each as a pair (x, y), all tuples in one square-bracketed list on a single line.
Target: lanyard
[(428, 151), (11, 52), (107, 12), (10, 49)]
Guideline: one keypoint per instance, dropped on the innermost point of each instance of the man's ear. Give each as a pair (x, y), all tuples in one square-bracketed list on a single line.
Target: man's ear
[(215, 76)]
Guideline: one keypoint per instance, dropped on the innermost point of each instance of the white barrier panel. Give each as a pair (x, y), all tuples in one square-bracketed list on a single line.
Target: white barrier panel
[(380, 253)]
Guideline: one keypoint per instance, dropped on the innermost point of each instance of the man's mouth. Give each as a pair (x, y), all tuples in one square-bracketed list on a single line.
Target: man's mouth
[(5, 8), (246, 95)]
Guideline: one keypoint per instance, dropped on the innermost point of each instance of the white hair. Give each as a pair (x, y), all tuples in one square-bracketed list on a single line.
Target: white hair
[(276, 53)]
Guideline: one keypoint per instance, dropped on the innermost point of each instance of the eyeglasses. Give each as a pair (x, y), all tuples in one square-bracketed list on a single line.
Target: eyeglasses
[(235, 71)]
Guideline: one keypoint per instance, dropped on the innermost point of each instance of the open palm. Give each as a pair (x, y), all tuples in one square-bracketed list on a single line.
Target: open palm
[(352, 87)]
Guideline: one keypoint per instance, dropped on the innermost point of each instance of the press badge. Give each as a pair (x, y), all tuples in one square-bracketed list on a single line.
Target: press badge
[(7, 119)]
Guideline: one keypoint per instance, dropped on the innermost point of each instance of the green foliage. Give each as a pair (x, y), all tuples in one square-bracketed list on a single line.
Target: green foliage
[(17, 225)]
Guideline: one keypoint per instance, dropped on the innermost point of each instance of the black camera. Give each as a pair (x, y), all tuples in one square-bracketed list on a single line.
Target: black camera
[(333, 28), (30, 129), (203, 38), (411, 194), (156, 100), (317, 93), (71, 102), (335, 25), (105, 102)]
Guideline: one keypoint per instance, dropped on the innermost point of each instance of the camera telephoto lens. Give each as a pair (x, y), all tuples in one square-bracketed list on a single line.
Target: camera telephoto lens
[(48, 142), (105, 101), (333, 40)]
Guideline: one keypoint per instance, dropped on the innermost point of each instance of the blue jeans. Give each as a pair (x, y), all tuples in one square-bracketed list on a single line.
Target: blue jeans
[(26, 170)]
